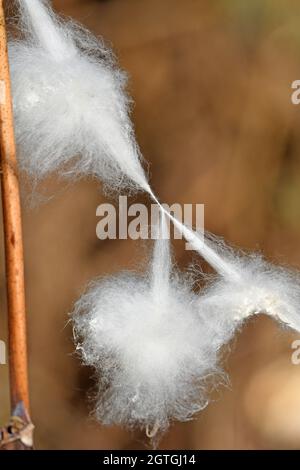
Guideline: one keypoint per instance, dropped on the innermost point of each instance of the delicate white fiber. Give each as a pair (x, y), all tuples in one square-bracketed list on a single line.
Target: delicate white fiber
[(71, 112), (153, 342), (153, 349), (245, 284), (198, 242), (259, 287)]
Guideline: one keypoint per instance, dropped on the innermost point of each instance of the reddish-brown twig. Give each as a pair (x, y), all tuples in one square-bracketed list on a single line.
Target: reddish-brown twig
[(13, 238)]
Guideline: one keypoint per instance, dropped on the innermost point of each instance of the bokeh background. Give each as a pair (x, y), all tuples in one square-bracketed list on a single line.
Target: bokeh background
[(211, 82)]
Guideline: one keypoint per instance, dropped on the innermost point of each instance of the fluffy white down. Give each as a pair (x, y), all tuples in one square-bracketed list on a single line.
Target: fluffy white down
[(153, 342), (258, 287), (154, 350), (70, 108)]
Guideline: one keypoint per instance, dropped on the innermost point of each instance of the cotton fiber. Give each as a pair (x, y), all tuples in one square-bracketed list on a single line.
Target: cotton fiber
[(150, 344), (245, 284), (259, 287), (71, 111), (154, 342)]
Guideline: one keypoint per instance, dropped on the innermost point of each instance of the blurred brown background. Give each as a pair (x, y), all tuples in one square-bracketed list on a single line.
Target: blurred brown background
[(211, 81)]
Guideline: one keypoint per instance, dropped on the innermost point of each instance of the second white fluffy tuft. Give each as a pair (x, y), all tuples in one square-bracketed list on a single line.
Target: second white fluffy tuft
[(258, 287), (150, 344)]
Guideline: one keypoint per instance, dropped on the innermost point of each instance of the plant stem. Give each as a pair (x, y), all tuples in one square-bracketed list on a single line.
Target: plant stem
[(13, 237)]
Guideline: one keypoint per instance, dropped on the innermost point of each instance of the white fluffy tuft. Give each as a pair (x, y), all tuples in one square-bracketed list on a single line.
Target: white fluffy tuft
[(150, 344), (152, 341), (71, 111), (258, 287)]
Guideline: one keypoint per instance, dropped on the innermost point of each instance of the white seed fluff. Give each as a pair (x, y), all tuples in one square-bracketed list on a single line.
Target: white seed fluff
[(154, 343), (150, 345), (71, 111), (258, 287)]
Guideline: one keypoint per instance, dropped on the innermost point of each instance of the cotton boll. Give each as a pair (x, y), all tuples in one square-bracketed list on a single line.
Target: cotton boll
[(71, 111), (144, 337)]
